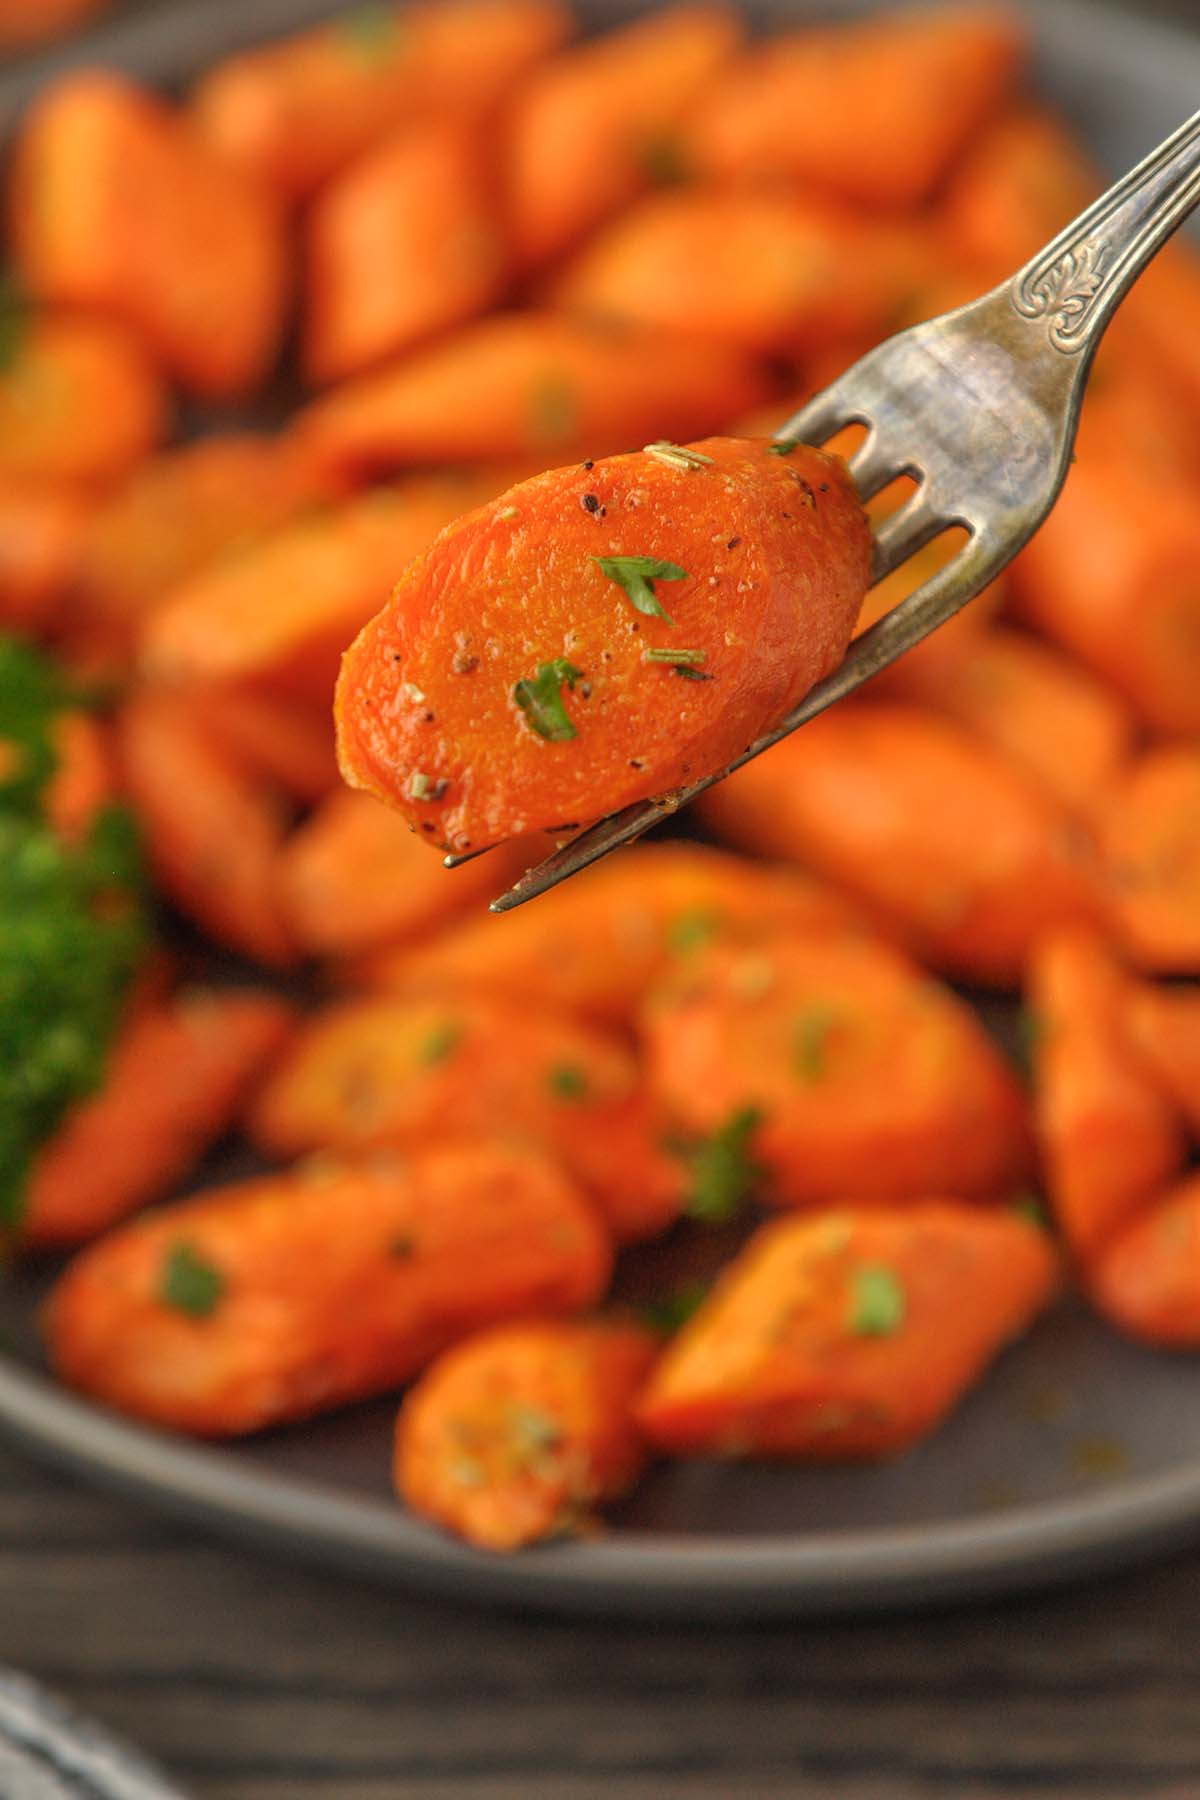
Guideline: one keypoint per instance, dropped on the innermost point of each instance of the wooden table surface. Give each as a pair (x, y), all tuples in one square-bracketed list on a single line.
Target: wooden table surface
[(250, 1679)]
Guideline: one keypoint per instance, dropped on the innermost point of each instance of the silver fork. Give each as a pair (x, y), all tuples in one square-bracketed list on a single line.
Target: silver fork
[(980, 408)]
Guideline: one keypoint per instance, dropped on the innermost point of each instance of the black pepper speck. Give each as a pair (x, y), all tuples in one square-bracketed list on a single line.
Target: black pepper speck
[(590, 503)]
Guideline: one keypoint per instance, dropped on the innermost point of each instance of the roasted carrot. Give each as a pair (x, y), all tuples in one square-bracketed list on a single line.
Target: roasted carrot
[(295, 111), (866, 1077), (518, 1434), (394, 1074), (78, 402), (535, 633), (213, 834), (24, 23), (178, 1072), (287, 1296), (84, 778), (595, 126), (1147, 1280), (404, 244), (284, 610), (284, 741), (355, 878), (1060, 724), (42, 529), (769, 271), (1016, 184), (119, 205), (1108, 1134), (888, 800), (1111, 576), (179, 513), (529, 385), (875, 110), (1164, 1025), (598, 944), (850, 1334), (1150, 842)]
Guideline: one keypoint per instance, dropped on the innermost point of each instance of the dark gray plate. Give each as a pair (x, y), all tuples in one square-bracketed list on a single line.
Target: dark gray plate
[(1079, 1451)]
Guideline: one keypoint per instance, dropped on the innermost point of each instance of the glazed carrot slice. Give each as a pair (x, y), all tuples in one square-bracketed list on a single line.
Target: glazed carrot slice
[(520, 1433), (27, 22), (874, 110), (1108, 1134), (288, 1296), (768, 271), (598, 944), (354, 877), (1016, 184), (42, 530), (284, 609), (295, 111), (850, 1334), (84, 779), (78, 402), (394, 1074), (1111, 577), (527, 385), (213, 834), (119, 206), (887, 800), (1150, 842), (178, 1072), (404, 244), (1164, 1024), (286, 742), (595, 126), (548, 634), (178, 513), (1146, 1282), (865, 1076), (1053, 719)]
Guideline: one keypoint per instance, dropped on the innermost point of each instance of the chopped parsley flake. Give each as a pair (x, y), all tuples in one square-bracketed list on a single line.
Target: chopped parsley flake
[(877, 1301), (678, 658), (722, 1169), (441, 1043), (509, 512), (783, 446), (677, 457), (568, 1082), (423, 787), (190, 1284), (536, 1432), (668, 1313), (637, 575), (811, 1042), (540, 699)]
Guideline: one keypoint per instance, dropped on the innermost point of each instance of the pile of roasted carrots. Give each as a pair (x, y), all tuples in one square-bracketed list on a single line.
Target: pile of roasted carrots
[(487, 249)]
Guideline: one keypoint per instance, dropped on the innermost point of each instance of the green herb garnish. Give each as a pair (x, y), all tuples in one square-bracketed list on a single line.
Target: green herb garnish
[(676, 658), (1029, 1206), (783, 446), (537, 1433), (441, 1043), (637, 575), (877, 1301), (692, 930), (677, 457), (540, 699), (32, 694), (189, 1283), (811, 1042), (722, 1170), (567, 1082), (667, 1313)]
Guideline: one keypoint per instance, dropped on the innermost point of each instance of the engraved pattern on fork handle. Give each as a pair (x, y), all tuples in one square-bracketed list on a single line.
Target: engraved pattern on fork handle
[(1077, 282)]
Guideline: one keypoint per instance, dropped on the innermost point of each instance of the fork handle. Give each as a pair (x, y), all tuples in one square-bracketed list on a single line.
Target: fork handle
[(1077, 282)]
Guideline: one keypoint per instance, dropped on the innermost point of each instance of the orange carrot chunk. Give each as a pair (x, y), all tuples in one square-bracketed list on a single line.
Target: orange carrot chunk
[(875, 110), (84, 781), (27, 22), (402, 245), (42, 530), (518, 1434), (596, 125), (285, 742), (1108, 1134), (1150, 840), (394, 1074), (293, 1294), (888, 800), (530, 385), (1164, 1025), (118, 205), (178, 1072), (353, 878), (1147, 1280), (78, 402), (213, 834), (598, 635), (295, 111), (850, 1334), (598, 943), (859, 1074)]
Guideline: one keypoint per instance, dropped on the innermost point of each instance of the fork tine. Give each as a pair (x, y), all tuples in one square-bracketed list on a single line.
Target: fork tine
[(456, 861), (905, 625), (909, 528), (873, 466), (820, 418)]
